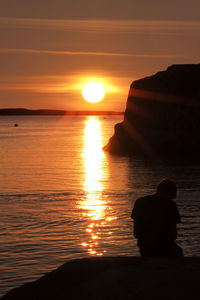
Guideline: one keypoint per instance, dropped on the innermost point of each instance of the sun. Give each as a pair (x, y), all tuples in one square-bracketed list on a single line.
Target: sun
[(93, 92)]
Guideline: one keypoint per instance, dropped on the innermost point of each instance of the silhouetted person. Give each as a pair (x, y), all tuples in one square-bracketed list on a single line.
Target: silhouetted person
[(155, 218)]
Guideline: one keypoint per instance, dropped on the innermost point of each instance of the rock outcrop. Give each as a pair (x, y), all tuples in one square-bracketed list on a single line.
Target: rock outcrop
[(162, 116), (116, 278)]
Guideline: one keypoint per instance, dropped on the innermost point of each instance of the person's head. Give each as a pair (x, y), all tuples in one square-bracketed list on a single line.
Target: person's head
[(167, 188)]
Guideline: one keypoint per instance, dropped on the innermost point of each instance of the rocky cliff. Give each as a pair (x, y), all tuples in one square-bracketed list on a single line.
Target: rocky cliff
[(162, 116), (116, 278)]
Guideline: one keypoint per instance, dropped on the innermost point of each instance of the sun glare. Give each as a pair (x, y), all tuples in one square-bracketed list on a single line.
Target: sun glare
[(93, 92)]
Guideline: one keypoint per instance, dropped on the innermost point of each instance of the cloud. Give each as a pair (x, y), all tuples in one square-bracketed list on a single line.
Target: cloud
[(103, 25), (87, 53)]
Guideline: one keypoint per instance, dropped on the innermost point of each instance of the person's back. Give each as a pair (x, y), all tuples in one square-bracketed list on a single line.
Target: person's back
[(155, 218)]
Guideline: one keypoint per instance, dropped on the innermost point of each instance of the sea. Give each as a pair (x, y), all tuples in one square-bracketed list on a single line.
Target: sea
[(62, 197)]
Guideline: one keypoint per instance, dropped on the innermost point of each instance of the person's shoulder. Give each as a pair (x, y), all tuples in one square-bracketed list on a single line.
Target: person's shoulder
[(146, 198), (143, 200), (140, 205)]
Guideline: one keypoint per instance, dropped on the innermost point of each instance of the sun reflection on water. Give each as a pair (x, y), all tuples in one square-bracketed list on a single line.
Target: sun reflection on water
[(94, 204), (93, 155)]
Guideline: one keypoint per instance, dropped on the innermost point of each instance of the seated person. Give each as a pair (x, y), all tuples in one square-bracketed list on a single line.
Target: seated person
[(155, 218)]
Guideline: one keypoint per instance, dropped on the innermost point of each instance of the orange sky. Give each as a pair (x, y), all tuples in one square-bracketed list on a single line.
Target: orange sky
[(47, 57)]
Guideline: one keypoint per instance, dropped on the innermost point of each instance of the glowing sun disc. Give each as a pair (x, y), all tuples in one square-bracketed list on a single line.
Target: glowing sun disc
[(93, 92)]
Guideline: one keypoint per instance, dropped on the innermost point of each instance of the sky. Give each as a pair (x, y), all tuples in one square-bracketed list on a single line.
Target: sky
[(50, 49)]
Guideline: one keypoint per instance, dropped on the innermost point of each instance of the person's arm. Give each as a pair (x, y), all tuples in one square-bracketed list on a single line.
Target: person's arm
[(173, 231), (134, 216), (174, 220), (133, 211)]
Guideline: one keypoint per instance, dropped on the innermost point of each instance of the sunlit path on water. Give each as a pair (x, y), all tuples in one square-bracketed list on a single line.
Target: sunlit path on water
[(93, 205)]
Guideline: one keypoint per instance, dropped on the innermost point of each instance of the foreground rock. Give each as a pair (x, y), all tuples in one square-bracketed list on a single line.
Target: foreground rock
[(117, 278), (162, 117)]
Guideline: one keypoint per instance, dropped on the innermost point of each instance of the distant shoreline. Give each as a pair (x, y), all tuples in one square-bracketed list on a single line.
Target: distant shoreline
[(53, 112)]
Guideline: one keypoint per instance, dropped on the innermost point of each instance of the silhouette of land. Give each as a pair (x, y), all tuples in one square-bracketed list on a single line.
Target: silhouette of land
[(162, 116), (116, 278), (53, 112)]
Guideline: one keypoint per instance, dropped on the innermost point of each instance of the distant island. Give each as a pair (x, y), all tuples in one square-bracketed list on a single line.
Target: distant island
[(53, 112)]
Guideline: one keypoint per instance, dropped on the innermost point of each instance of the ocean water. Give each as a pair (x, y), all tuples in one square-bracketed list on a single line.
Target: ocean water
[(62, 197)]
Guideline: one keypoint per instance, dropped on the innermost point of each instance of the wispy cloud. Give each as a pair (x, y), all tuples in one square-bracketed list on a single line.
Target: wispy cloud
[(86, 53), (103, 25)]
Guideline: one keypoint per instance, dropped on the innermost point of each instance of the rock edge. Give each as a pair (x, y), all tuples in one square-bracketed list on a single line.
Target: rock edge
[(116, 278)]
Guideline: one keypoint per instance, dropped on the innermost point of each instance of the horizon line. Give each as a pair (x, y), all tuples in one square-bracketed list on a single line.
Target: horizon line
[(23, 111)]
